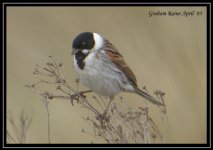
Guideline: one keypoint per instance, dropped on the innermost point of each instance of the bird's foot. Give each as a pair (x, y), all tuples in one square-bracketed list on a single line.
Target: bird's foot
[(77, 95)]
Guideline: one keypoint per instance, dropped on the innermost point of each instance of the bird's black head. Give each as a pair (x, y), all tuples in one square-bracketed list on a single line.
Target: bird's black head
[(84, 40), (81, 46)]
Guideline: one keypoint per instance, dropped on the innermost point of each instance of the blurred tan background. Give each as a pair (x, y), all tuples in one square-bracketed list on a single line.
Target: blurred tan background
[(164, 52)]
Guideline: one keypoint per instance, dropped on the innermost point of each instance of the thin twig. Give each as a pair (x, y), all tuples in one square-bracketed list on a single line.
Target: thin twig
[(11, 137), (116, 126), (48, 122)]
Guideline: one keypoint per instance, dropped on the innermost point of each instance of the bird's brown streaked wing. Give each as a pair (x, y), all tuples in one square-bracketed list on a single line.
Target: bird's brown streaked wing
[(120, 63)]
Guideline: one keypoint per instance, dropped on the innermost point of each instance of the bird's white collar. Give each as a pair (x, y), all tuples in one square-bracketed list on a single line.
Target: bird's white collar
[(99, 41)]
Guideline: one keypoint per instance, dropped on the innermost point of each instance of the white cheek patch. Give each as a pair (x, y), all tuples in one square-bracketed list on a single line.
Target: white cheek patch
[(99, 41), (85, 51)]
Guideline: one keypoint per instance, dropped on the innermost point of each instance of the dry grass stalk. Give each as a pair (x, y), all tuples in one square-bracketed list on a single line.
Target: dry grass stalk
[(117, 126), (19, 130)]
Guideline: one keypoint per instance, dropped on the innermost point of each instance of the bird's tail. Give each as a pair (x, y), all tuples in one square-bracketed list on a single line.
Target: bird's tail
[(148, 97)]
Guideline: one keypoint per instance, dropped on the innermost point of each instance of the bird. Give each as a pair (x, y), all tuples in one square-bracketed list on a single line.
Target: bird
[(102, 69)]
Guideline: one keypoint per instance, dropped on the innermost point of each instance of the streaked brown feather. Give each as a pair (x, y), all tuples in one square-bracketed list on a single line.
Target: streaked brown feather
[(119, 61)]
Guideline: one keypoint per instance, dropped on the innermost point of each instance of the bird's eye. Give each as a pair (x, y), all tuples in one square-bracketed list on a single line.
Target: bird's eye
[(83, 43)]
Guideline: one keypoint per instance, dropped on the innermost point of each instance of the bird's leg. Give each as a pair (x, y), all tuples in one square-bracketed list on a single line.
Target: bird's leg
[(103, 117), (83, 92), (110, 101)]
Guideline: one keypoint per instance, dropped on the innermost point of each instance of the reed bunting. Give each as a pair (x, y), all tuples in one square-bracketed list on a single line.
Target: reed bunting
[(102, 69)]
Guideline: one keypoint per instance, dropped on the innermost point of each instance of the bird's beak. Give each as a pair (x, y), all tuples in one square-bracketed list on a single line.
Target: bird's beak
[(74, 51)]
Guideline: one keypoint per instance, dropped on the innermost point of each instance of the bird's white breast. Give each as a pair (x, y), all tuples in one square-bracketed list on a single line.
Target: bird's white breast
[(99, 76)]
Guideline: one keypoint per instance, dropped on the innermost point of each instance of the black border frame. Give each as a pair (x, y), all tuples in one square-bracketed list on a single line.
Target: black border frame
[(4, 62)]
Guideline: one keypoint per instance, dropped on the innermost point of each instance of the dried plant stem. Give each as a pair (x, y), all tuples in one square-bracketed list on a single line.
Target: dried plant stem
[(48, 122), (11, 137), (20, 131), (117, 125)]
